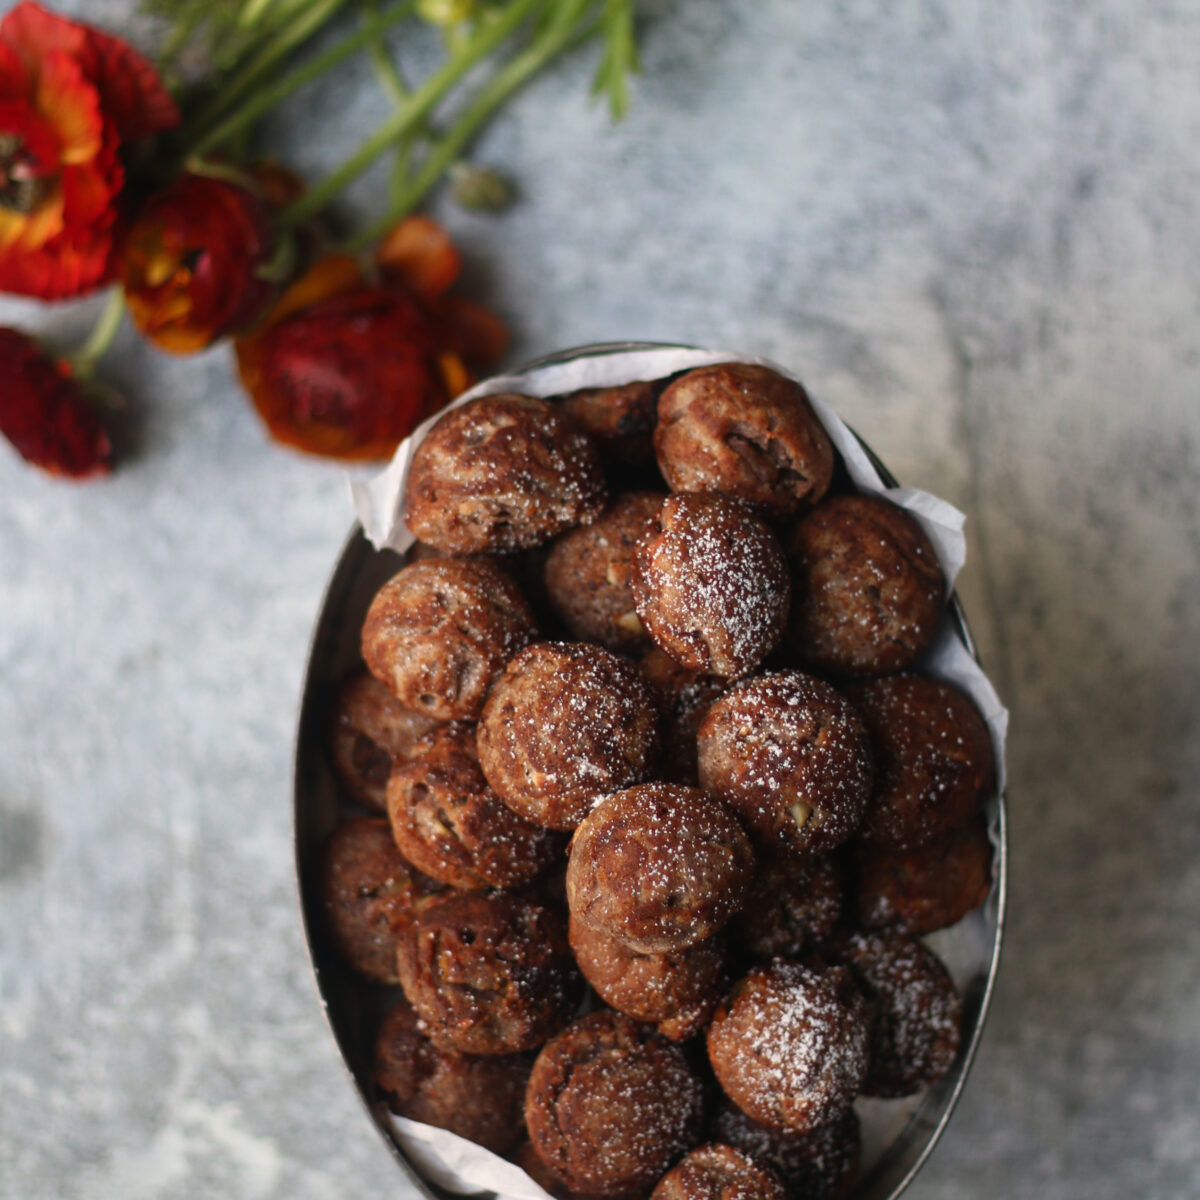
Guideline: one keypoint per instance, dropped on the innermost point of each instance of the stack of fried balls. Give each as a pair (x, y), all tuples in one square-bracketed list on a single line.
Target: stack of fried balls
[(647, 802)]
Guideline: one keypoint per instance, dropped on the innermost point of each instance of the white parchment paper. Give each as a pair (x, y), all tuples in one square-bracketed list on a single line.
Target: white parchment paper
[(461, 1166)]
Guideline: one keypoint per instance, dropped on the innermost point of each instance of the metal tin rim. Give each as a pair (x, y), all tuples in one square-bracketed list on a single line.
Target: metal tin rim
[(997, 900)]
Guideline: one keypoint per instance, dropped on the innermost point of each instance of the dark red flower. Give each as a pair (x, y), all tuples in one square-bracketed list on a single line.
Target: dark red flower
[(44, 413), (194, 262), (343, 368), (69, 96)]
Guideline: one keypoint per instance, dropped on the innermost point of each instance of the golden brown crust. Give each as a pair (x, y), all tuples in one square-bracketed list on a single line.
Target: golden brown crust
[(451, 825), (502, 472), (619, 419), (924, 889), (933, 758), (820, 1165), (659, 867), (478, 1097), (587, 573), (719, 1172), (611, 1104), (867, 589), (916, 1015), (684, 698), (369, 729), (488, 974), (789, 1044), (711, 585), (792, 907), (789, 754), (747, 432), (566, 723), (675, 991), (368, 893), (440, 631)]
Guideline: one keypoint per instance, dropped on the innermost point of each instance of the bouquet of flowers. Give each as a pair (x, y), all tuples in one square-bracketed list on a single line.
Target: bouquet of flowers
[(144, 176)]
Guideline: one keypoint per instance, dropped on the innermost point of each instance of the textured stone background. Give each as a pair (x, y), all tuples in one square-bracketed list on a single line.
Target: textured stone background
[(972, 227)]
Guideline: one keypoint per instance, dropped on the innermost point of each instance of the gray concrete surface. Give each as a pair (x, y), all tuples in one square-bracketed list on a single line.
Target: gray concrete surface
[(972, 227)]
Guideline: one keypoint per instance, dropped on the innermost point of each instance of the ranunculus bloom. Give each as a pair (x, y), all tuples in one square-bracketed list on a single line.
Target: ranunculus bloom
[(69, 97), (343, 368), (45, 414), (194, 260)]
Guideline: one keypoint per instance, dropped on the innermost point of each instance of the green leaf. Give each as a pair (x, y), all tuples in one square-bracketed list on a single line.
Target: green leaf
[(620, 59)]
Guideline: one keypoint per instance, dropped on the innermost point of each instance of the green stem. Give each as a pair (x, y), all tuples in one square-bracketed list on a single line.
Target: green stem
[(486, 39), (308, 17), (385, 69), (266, 99), (84, 360), (510, 79)]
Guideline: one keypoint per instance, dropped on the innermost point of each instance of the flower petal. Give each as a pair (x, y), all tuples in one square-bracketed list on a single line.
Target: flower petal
[(70, 105)]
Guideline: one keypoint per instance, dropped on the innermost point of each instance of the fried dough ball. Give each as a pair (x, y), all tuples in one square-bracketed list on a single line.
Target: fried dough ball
[(526, 1157), (711, 585), (611, 1104), (368, 893), (676, 991), (927, 888), (867, 589), (502, 472), (789, 754), (745, 431), (789, 1044), (566, 723), (719, 1172), (916, 1015), (620, 420), (488, 974), (478, 1097), (588, 569), (451, 825), (369, 729), (820, 1165), (659, 867), (440, 631), (684, 699), (792, 907), (933, 758)]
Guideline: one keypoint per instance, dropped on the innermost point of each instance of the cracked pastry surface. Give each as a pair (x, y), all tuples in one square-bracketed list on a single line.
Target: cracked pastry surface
[(369, 729), (745, 431), (659, 867), (448, 823), (502, 472), (440, 631), (611, 1104), (588, 569), (488, 974), (369, 894)]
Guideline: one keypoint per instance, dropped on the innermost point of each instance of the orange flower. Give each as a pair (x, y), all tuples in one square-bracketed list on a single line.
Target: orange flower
[(44, 413), (346, 368), (342, 368), (194, 263), (69, 97)]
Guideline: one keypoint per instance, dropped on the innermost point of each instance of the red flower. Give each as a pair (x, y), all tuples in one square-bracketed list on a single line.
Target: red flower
[(343, 368), (69, 97), (193, 263), (44, 413)]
